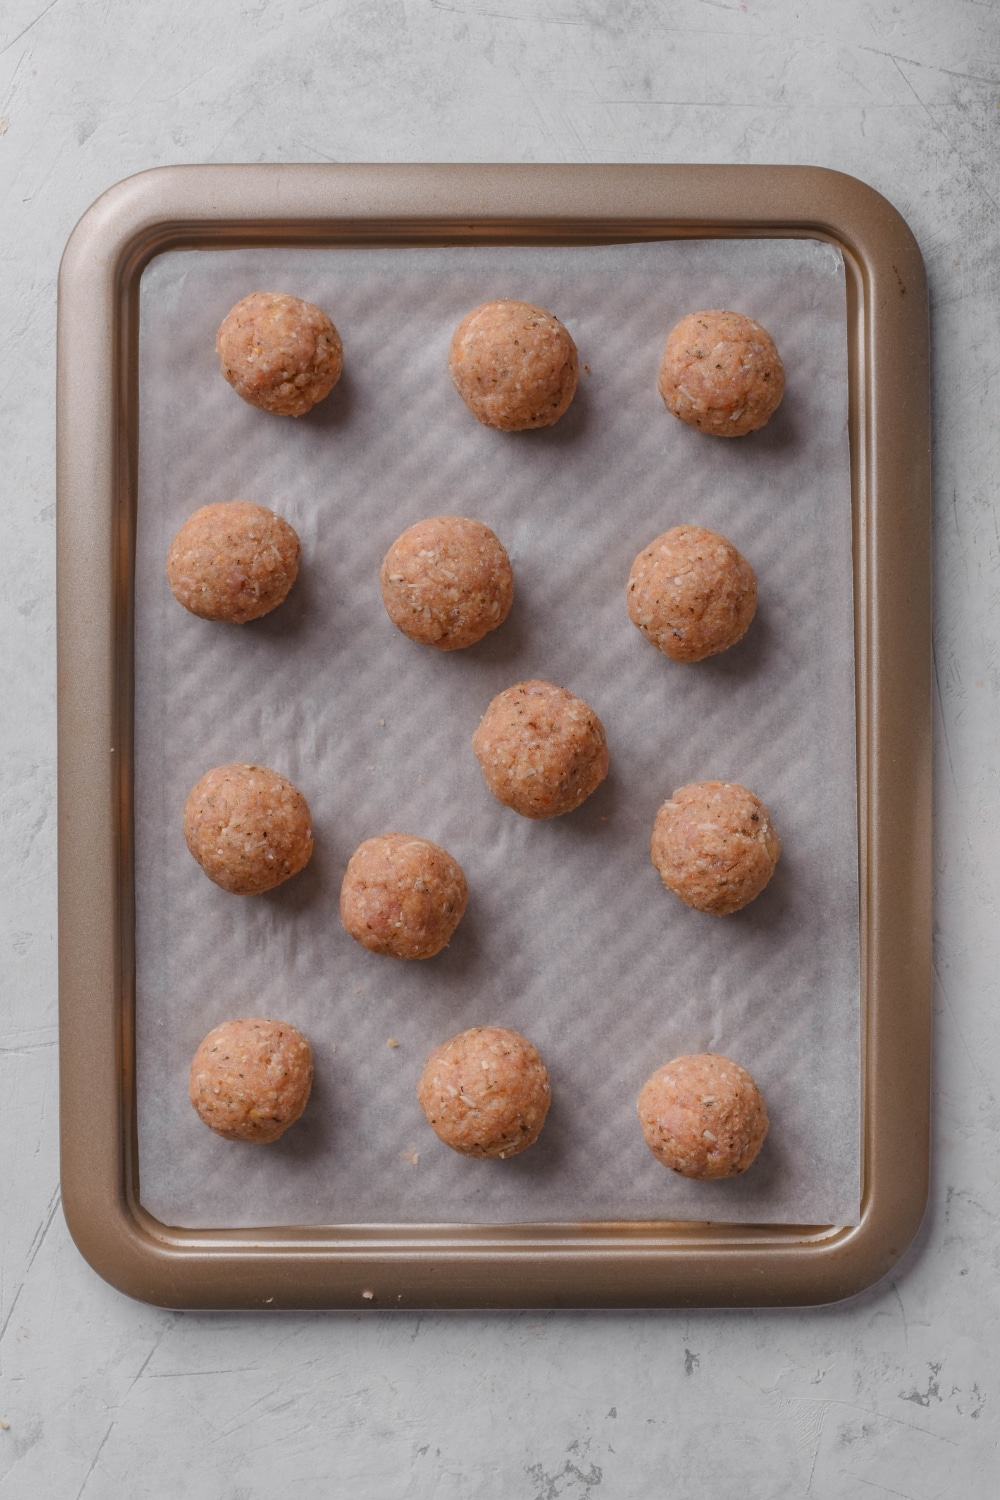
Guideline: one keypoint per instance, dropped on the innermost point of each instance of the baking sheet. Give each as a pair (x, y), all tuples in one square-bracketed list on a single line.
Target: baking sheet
[(569, 936)]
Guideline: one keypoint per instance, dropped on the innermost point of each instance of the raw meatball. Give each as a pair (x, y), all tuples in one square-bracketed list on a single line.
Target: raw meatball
[(514, 365), (402, 896), (691, 593), (250, 1079), (447, 582), (703, 1116), (232, 561), (485, 1092), (279, 353), (541, 749), (714, 846), (248, 828), (721, 372)]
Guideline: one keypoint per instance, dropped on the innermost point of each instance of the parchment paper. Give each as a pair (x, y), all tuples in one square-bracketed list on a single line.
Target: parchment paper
[(569, 936)]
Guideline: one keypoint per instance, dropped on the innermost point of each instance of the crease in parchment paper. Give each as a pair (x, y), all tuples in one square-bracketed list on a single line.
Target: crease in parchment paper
[(569, 935)]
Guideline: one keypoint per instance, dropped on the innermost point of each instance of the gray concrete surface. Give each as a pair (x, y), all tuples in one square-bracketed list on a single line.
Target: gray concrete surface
[(893, 1394)]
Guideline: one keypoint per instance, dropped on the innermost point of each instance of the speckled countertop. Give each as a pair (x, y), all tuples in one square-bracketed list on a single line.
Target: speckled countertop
[(895, 1393)]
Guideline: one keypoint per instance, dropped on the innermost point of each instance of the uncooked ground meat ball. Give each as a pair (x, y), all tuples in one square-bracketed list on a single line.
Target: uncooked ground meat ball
[(541, 749), (514, 365), (721, 373), (402, 896), (251, 1079), (714, 846), (691, 593), (485, 1092), (232, 561), (249, 828), (279, 353), (447, 582), (703, 1117)]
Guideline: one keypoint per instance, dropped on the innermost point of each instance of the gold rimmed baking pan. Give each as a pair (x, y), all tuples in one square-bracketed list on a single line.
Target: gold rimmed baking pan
[(627, 1264)]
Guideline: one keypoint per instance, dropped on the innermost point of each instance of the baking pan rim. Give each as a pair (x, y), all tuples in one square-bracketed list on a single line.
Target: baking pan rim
[(627, 1264)]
